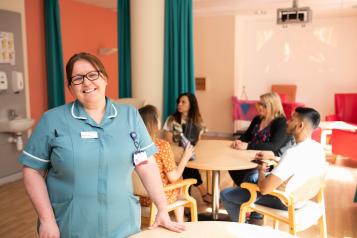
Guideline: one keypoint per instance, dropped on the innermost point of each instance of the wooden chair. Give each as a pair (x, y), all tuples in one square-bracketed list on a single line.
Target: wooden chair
[(135, 102), (299, 219), (184, 199), (287, 92)]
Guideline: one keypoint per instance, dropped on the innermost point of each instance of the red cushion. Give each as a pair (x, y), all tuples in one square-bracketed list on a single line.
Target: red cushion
[(289, 108), (346, 107), (316, 135), (344, 143), (283, 97)]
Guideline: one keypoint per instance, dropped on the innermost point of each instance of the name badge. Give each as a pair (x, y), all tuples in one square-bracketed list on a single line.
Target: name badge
[(89, 134), (140, 157)]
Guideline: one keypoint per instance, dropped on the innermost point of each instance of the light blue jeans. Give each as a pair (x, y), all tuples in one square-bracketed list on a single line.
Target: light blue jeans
[(233, 198)]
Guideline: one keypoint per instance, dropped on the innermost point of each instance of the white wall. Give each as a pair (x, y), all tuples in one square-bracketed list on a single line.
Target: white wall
[(321, 58)]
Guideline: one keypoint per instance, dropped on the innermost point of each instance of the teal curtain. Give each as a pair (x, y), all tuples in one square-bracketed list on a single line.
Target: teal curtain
[(178, 52), (124, 56), (54, 57)]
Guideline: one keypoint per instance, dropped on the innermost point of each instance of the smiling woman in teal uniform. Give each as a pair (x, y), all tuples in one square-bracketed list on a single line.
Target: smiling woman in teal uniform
[(87, 149)]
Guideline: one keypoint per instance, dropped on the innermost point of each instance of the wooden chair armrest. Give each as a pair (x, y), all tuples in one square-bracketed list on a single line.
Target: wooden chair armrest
[(181, 184), (253, 189)]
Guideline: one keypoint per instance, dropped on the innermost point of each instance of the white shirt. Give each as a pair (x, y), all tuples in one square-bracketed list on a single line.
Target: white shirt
[(299, 163)]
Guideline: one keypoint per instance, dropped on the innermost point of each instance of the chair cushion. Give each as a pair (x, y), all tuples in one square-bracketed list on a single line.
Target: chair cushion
[(305, 217)]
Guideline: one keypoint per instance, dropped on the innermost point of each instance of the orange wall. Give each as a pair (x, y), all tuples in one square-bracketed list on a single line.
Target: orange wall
[(88, 28), (84, 28), (36, 57)]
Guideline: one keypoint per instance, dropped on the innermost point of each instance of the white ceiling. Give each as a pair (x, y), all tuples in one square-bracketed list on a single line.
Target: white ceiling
[(253, 7)]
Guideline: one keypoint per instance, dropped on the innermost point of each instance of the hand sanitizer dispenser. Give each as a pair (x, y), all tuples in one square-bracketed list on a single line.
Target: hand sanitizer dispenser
[(3, 81), (17, 81)]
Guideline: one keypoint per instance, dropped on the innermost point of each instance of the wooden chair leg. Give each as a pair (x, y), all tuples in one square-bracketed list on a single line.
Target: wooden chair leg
[(276, 224), (292, 228), (322, 225), (153, 212), (193, 210), (334, 158), (242, 214)]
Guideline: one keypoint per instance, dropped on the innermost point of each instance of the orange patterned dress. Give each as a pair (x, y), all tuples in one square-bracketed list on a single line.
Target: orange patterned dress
[(166, 162)]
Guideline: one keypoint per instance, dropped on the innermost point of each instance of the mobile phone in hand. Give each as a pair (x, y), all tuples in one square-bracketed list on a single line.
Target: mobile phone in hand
[(268, 162), (259, 161)]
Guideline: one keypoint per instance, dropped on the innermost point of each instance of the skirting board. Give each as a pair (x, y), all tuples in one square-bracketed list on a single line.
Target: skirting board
[(10, 178)]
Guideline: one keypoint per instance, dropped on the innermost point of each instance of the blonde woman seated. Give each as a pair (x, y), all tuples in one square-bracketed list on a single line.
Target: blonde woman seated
[(165, 160), (266, 132)]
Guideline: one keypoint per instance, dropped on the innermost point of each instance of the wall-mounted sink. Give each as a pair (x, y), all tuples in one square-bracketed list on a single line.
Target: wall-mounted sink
[(15, 126)]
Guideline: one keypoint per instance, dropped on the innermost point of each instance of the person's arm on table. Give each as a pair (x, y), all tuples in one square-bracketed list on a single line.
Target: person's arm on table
[(37, 191), (150, 177)]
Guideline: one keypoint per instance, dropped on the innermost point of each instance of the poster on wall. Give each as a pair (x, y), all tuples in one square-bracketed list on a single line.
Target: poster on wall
[(7, 48)]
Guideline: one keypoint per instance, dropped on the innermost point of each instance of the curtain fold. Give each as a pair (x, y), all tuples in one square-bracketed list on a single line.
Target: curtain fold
[(178, 52), (54, 56), (124, 56)]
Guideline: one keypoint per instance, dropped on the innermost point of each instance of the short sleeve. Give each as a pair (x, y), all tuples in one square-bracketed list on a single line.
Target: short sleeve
[(145, 142), (167, 125), (36, 154), (286, 167), (168, 158)]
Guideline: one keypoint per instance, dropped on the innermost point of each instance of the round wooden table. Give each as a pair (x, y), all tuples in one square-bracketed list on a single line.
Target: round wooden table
[(217, 155), (214, 229)]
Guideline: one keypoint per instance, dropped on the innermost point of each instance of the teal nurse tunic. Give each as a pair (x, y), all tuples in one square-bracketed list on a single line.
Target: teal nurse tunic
[(89, 168)]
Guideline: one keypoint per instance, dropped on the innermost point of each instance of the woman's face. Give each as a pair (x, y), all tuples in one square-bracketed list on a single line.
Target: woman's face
[(183, 105), (89, 91), (262, 108)]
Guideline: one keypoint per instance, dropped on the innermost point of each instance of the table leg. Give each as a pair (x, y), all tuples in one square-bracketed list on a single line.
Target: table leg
[(215, 194)]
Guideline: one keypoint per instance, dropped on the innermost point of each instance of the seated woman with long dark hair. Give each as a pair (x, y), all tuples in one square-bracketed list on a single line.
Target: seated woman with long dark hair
[(187, 120)]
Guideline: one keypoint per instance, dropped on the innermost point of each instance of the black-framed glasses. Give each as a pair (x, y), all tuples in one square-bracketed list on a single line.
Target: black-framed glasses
[(79, 78)]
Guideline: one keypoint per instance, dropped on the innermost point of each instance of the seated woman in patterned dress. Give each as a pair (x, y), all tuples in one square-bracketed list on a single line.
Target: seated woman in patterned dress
[(165, 160)]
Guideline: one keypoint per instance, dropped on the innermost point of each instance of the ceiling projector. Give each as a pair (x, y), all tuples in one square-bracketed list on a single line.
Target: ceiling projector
[(293, 15)]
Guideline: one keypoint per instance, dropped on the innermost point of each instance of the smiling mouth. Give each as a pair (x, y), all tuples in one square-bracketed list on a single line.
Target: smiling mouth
[(89, 90)]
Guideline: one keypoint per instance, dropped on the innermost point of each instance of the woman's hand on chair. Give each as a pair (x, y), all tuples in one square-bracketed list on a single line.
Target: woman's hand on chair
[(163, 219)]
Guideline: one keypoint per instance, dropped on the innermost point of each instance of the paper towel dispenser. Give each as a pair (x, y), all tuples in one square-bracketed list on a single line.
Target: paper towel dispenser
[(17, 81)]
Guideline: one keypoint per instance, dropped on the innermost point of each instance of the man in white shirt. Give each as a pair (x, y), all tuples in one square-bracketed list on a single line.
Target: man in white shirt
[(296, 165)]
